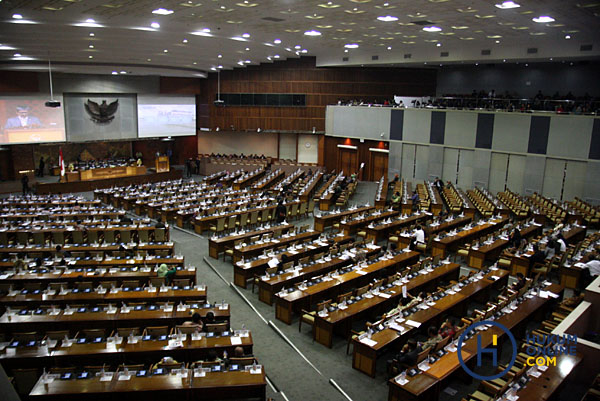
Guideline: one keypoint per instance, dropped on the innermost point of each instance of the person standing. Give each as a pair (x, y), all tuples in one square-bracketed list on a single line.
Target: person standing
[(41, 167), (25, 184), (280, 212)]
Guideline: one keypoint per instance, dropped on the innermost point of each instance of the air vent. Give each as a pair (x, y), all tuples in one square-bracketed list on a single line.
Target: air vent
[(532, 50), (444, 54), (422, 23), (486, 52), (344, 58), (407, 55), (273, 19), (585, 48), (374, 57)]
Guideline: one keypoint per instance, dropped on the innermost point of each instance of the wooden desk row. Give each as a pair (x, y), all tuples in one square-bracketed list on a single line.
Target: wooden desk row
[(107, 262), (452, 242), (324, 220)]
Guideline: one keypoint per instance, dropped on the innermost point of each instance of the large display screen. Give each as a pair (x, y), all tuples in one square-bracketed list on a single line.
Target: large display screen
[(163, 116), (25, 119)]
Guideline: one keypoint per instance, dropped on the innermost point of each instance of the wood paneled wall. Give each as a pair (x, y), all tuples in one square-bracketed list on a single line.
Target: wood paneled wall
[(19, 82), (329, 153), (322, 86)]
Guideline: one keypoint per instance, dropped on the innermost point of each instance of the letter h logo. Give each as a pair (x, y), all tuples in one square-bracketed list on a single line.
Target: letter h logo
[(492, 351)]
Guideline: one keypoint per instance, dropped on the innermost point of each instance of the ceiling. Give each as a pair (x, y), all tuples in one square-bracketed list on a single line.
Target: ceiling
[(204, 35)]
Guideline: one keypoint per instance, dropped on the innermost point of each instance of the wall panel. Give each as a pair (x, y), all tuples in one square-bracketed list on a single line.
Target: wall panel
[(511, 132), (553, 178), (417, 125), (516, 167), (408, 161), (461, 129), (498, 167), (308, 146), (287, 146), (236, 142), (570, 136), (574, 179), (422, 163), (465, 169), (450, 163)]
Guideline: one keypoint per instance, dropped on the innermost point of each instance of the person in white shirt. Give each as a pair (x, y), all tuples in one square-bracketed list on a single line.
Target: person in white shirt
[(562, 243), (420, 235), (593, 265)]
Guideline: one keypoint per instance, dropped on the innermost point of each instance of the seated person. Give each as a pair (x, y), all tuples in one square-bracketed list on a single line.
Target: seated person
[(593, 265), (164, 361), (209, 318), (238, 352), (167, 272), (409, 353), (396, 199), (195, 322), (538, 256), (520, 283), (212, 356), (448, 328), (573, 301), (433, 339), (420, 235)]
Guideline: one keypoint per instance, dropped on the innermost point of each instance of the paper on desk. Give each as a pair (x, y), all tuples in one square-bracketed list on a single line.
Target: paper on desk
[(401, 380), (123, 377), (235, 340), (368, 341), (362, 273), (384, 295), (413, 323), (108, 376), (397, 327)]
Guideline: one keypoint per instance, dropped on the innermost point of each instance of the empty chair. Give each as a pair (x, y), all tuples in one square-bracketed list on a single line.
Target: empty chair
[(57, 335), (32, 286), (143, 235), (30, 336), (38, 238), (157, 281), (156, 331), (181, 282), (126, 331), (23, 238), (186, 329), (84, 285), (92, 236), (125, 236), (58, 237), (92, 333), (77, 237), (220, 226), (242, 361), (130, 283), (109, 236), (216, 327), (159, 234), (24, 380), (62, 370)]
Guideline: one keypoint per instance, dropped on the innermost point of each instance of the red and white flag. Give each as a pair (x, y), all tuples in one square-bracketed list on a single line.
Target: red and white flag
[(61, 163)]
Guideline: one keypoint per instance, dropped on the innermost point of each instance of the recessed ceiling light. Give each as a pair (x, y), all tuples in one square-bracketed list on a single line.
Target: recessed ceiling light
[(220, 56), (345, 50), (213, 69), (165, 51), (91, 46), (304, 51), (92, 34), (115, 73), (312, 33), (219, 66), (505, 5), (155, 25), (247, 61), (90, 56), (162, 11), (4, 47), (432, 29), (149, 59), (387, 18), (195, 62), (123, 72), (476, 63), (351, 46), (438, 44), (269, 58), (90, 21), (240, 62), (245, 35), (389, 48), (504, 61), (288, 49), (297, 47), (247, 49), (238, 38), (202, 32), (17, 16), (276, 56), (543, 19), (184, 40), (17, 55), (567, 36), (497, 41), (277, 41)]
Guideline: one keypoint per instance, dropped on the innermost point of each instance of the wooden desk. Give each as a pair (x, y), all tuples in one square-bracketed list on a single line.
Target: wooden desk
[(323, 221), (352, 226), (451, 243), (381, 230), (215, 385), (218, 245), (111, 172), (544, 387), (297, 299), (256, 249)]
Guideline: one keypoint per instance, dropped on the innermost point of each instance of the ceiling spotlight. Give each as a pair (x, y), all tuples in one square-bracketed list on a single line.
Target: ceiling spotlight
[(505, 5), (17, 16), (497, 41), (115, 73), (184, 40), (504, 61), (276, 56), (213, 69), (90, 21), (432, 29), (297, 47), (202, 32), (312, 33), (155, 25), (17, 55), (245, 35), (543, 19), (389, 47), (304, 51), (91, 46), (165, 51), (438, 44), (567, 36), (277, 41), (387, 18), (220, 56), (247, 61), (92, 34), (162, 11), (476, 63), (269, 58), (90, 56), (123, 72), (247, 49), (149, 59), (219, 66), (351, 46), (345, 50)]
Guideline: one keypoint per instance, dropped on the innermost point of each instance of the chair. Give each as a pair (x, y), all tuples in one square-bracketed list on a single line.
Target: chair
[(126, 331), (182, 282), (441, 344), (160, 234), (219, 227), (93, 333), (156, 331), (351, 337), (62, 370), (57, 335), (231, 223), (242, 361), (157, 281), (130, 283), (84, 285), (30, 336), (94, 369), (186, 329), (143, 235), (422, 355), (253, 218), (243, 220), (216, 327), (125, 236), (23, 238), (25, 379), (38, 238), (32, 286), (109, 236)]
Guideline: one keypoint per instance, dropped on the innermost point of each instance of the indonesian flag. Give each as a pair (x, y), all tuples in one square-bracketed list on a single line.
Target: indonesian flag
[(61, 163)]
